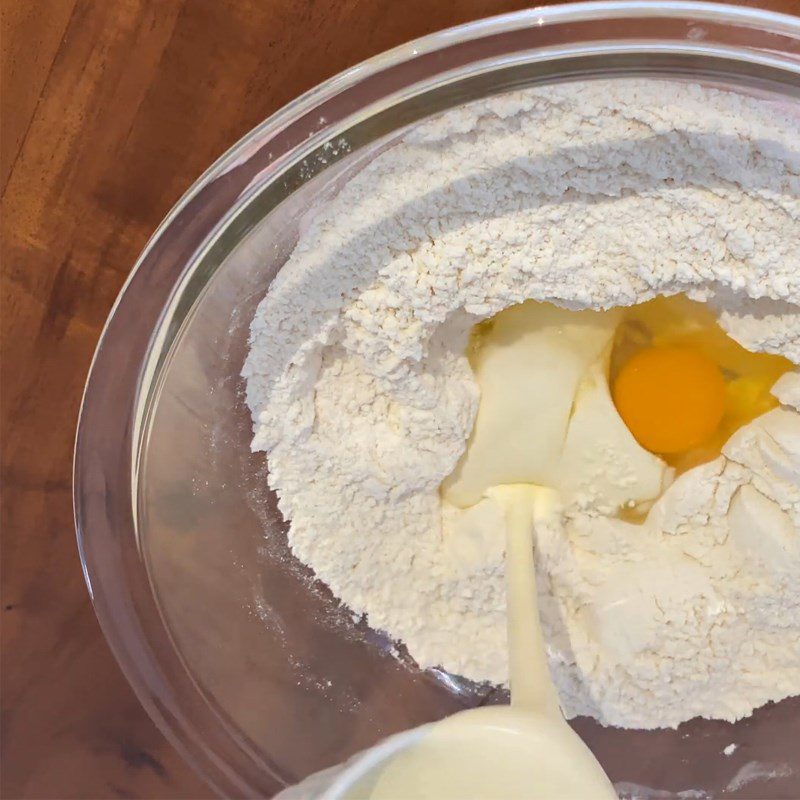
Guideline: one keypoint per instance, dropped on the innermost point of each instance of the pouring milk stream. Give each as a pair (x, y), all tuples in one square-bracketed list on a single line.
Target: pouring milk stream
[(528, 447)]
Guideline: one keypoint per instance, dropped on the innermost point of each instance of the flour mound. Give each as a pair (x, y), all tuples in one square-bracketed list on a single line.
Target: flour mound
[(590, 196)]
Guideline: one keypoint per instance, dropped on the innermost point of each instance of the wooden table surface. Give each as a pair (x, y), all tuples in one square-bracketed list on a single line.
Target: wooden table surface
[(110, 110)]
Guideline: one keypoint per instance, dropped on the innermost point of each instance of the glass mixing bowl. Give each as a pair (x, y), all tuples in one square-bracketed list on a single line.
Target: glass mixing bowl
[(252, 669)]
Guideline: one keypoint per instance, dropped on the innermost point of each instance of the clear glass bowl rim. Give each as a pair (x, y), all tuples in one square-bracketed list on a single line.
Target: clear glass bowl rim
[(124, 368)]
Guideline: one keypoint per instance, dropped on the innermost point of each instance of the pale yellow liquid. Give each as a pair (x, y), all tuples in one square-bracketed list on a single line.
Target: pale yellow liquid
[(525, 750)]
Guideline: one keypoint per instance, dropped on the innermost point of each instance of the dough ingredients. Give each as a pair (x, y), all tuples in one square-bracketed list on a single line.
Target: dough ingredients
[(588, 196)]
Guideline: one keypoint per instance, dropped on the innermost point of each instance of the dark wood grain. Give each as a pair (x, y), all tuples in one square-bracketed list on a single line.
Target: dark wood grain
[(110, 110)]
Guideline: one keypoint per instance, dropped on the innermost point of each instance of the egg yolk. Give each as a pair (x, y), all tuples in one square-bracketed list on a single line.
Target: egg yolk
[(671, 398)]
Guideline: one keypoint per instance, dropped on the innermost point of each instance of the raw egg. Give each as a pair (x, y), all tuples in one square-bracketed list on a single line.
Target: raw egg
[(682, 385), (671, 398)]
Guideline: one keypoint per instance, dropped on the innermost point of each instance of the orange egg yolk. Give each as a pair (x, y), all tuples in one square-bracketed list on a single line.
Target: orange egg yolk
[(671, 398)]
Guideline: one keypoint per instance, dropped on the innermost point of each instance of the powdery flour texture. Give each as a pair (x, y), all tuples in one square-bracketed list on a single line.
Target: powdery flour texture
[(593, 195)]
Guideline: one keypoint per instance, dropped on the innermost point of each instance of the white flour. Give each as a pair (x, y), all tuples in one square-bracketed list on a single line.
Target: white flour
[(591, 195)]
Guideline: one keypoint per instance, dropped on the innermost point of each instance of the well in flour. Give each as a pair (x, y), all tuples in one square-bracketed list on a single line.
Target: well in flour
[(589, 196)]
